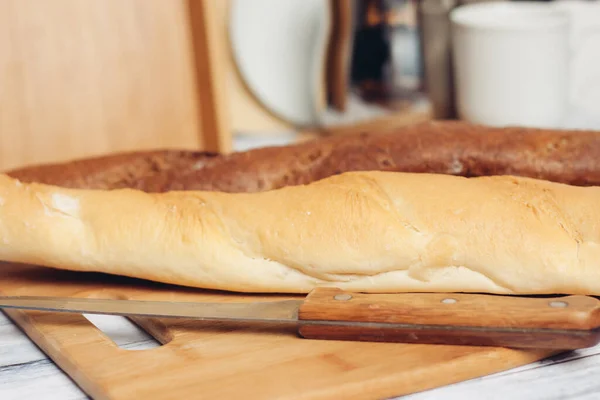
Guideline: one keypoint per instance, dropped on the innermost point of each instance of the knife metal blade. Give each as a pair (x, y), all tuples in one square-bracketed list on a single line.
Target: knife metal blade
[(267, 312)]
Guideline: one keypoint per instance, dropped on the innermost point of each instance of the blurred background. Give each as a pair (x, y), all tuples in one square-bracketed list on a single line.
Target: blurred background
[(84, 78)]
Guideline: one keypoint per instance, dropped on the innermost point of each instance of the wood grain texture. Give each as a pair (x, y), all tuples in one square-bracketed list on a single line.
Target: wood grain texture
[(230, 361), (467, 310), (566, 375), (559, 340), (469, 319), (210, 58), (81, 78)]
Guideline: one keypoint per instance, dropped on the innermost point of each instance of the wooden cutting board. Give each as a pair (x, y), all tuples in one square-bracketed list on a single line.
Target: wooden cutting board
[(229, 361)]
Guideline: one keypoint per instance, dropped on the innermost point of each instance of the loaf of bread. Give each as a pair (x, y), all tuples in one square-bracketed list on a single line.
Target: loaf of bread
[(443, 147), (363, 231)]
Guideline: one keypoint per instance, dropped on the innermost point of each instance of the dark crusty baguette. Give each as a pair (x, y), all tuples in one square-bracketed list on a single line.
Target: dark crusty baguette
[(445, 147), (114, 171)]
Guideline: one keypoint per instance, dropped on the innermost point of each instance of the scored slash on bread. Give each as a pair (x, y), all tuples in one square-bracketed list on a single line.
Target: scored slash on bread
[(361, 231)]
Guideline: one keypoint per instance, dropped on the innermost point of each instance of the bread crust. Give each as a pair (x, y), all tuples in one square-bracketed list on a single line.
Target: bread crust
[(443, 147), (114, 171), (362, 231)]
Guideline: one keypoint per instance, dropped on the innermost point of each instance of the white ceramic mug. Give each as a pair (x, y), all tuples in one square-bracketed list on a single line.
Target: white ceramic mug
[(511, 63)]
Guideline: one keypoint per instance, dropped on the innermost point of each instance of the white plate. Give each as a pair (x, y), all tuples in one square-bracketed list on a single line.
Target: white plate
[(280, 47)]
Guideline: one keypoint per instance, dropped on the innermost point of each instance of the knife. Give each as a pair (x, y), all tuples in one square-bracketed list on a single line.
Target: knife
[(562, 323)]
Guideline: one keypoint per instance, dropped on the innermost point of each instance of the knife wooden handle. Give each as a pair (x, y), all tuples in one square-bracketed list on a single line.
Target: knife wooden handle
[(567, 322)]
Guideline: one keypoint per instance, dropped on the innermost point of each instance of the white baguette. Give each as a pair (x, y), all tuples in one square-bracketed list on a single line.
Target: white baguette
[(361, 231)]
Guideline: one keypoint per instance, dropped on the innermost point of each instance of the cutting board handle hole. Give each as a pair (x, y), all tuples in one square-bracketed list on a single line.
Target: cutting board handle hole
[(123, 332)]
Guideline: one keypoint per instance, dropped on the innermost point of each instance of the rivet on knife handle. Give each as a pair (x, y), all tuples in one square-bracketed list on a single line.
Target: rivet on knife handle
[(568, 322)]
